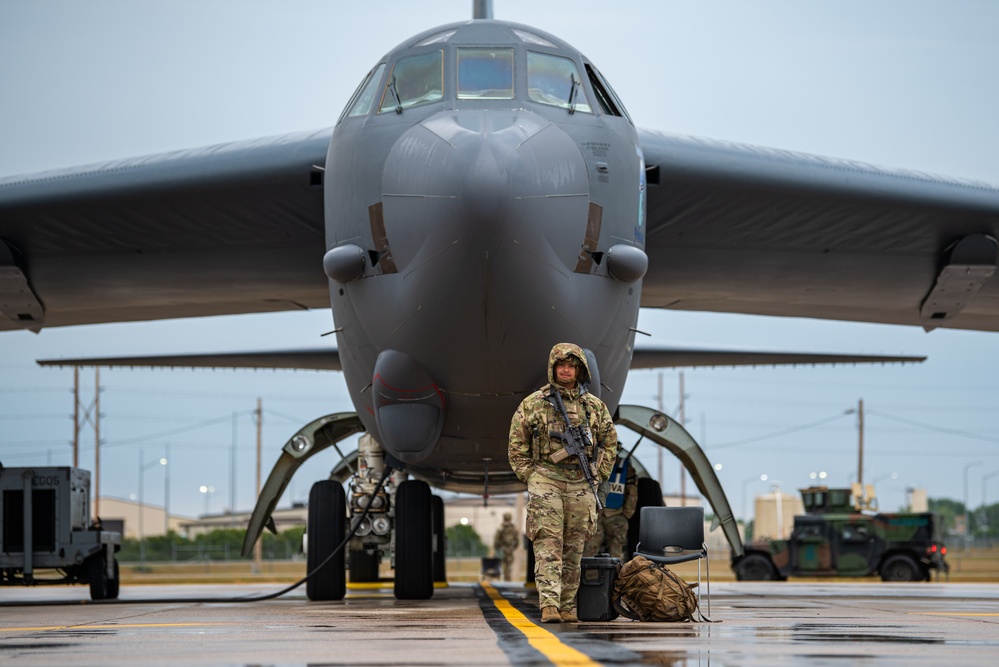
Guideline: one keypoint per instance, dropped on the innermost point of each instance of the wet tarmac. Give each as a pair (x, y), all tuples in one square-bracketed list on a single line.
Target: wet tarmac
[(468, 624)]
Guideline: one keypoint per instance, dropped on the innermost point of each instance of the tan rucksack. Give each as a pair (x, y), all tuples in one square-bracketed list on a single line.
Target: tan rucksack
[(647, 591)]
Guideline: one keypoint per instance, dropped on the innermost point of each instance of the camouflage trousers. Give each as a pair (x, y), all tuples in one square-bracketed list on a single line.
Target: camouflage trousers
[(560, 518), (612, 530), (508, 565)]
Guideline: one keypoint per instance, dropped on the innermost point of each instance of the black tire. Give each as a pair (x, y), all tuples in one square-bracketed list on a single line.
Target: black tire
[(650, 494), (364, 566), (97, 576), (327, 526), (114, 584), (414, 567), (901, 568), (440, 540), (756, 567)]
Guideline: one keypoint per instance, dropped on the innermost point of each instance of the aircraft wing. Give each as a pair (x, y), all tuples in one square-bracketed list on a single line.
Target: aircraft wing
[(233, 228), (328, 359), (740, 229), (689, 357), (315, 359)]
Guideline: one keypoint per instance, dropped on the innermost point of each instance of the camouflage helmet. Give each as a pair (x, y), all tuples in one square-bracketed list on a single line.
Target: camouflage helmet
[(563, 351), (507, 516)]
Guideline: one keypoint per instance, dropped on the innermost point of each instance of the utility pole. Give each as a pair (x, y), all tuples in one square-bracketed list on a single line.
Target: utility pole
[(860, 444), (97, 442), (232, 473), (76, 416), (166, 491)]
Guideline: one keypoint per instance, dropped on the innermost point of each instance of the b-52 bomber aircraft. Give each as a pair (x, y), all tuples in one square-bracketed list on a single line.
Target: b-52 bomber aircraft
[(483, 195)]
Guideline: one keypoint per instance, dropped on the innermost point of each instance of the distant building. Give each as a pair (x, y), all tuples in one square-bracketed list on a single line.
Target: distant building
[(775, 514), (119, 513), (288, 517)]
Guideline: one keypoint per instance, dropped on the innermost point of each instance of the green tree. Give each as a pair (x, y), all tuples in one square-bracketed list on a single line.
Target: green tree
[(948, 509), (463, 541)]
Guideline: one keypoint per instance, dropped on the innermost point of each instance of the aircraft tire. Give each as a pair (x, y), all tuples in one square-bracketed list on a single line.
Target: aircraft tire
[(901, 568), (97, 576), (114, 584), (650, 494), (414, 567), (440, 539), (756, 567), (327, 526)]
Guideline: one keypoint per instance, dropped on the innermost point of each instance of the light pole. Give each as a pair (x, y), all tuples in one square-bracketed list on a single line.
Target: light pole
[(207, 490), (985, 478), (746, 481), (967, 515), (142, 510)]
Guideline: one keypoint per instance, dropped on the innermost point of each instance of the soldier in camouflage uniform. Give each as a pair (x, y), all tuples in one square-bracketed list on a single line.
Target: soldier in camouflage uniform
[(505, 543), (561, 508), (619, 506)]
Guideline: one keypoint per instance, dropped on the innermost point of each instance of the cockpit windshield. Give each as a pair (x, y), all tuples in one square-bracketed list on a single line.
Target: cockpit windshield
[(365, 96), (555, 80), (485, 74), (414, 81)]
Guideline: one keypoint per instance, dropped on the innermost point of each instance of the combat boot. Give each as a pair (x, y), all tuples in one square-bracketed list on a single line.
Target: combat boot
[(569, 616), (550, 615)]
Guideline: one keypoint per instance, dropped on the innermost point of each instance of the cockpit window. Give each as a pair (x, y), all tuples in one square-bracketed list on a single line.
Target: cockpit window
[(485, 74), (606, 97), (365, 95), (555, 80), (414, 81)]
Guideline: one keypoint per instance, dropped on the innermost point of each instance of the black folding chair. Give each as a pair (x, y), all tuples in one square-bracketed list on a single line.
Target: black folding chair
[(671, 535)]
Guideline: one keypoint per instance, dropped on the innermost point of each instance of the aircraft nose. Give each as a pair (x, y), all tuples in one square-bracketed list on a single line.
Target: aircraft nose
[(476, 175), (477, 206)]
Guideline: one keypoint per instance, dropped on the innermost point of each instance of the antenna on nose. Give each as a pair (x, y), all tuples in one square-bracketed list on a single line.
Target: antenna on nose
[(482, 9)]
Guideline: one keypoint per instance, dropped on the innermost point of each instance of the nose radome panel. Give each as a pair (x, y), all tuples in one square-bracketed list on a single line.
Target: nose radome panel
[(515, 127)]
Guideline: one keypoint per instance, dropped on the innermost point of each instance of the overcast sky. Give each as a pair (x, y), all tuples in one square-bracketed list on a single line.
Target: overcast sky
[(905, 84)]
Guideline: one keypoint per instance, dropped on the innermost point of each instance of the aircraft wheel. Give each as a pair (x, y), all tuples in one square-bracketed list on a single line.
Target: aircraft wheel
[(414, 568), (114, 584), (756, 567), (901, 568), (97, 576), (440, 539), (327, 526), (650, 494), (364, 566)]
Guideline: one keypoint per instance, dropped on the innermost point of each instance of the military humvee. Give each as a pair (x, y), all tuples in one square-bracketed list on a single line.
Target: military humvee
[(841, 535)]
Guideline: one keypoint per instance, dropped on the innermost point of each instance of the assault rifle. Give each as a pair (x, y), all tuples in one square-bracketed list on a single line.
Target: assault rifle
[(576, 440)]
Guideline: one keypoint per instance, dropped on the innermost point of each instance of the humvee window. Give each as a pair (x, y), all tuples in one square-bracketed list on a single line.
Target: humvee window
[(414, 81), (485, 74), (555, 80)]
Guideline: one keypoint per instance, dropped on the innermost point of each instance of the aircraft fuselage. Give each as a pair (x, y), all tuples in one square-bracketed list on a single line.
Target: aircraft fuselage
[(484, 199)]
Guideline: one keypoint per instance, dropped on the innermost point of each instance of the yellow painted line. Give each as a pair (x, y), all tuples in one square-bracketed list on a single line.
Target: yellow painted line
[(375, 585), (955, 613), (542, 640), (103, 626)]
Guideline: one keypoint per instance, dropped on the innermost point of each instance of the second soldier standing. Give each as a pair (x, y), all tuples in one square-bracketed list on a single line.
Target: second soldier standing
[(505, 544), (561, 507)]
